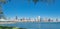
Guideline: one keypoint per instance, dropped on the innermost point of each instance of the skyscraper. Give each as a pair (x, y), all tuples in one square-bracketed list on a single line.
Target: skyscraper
[(16, 17), (38, 17)]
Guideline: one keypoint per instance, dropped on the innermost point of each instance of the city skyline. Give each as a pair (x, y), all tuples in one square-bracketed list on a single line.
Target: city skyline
[(24, 9)]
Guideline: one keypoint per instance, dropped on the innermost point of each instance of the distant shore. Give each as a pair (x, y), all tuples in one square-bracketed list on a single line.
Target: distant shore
[(3, 21)]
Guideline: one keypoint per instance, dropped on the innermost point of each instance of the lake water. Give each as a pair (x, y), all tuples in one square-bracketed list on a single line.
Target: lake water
[(35, 25)]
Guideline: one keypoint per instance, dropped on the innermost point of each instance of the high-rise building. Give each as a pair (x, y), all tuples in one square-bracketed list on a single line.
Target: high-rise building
[(56, 19), (45, 19), (24, 18), (38, 18), (16, 17)]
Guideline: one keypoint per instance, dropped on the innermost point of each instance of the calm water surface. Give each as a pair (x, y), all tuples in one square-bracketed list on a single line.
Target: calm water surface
[(35, 25)]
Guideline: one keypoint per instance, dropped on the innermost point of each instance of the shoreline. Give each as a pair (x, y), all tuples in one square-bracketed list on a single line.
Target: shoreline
[(6, 27), (24, 22)]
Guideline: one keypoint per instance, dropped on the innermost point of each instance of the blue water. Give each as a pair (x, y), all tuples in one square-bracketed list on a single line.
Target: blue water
[(35, 25)]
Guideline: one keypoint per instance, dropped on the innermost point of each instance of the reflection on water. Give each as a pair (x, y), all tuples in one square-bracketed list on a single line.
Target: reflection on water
[(35, 25)]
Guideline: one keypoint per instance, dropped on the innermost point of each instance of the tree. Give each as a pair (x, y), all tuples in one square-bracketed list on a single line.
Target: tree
[(4, 1), (35, 1), (47, 1)]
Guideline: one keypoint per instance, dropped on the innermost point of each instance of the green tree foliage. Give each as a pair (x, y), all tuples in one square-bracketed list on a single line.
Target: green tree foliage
[(35, 1), (44, 1), (4, 1)]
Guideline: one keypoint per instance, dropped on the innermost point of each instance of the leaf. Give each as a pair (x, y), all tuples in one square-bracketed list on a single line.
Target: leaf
[(28, 1), (35, 1), (9, 0)]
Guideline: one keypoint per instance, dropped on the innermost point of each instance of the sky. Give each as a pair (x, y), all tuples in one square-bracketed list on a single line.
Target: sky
[(22, 8)]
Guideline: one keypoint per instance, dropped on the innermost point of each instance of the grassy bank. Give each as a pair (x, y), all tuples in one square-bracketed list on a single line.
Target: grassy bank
[(5, 27)]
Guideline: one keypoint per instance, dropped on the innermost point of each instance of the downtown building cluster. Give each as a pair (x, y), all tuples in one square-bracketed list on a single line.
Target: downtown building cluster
[(37, 19)]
